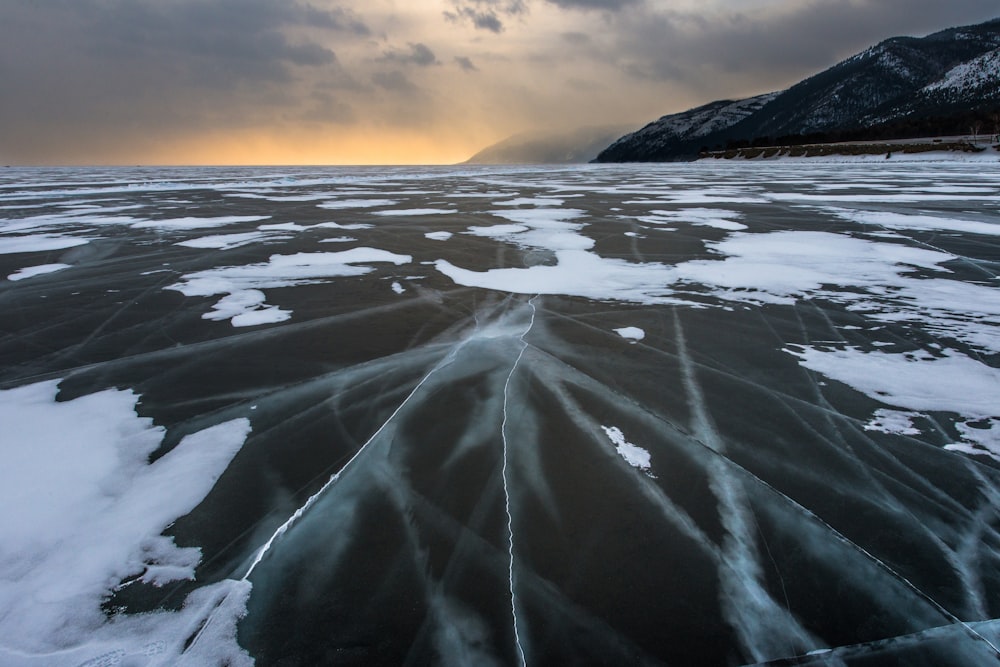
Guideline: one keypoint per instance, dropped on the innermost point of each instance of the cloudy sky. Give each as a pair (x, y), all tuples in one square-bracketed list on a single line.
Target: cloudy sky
[(397, 81)]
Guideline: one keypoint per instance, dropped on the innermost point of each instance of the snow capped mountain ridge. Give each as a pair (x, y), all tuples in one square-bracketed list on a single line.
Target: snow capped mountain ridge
[(897, 87), (977, 73)]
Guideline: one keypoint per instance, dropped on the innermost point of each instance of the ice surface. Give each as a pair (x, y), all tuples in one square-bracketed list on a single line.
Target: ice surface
[(444, 466)]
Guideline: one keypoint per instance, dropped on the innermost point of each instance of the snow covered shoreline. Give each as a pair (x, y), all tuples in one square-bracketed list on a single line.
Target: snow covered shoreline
[(854, 153)]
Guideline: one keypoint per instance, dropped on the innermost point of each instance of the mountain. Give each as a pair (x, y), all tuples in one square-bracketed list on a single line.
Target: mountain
[(902, 86), (580, 145), (682, 133)]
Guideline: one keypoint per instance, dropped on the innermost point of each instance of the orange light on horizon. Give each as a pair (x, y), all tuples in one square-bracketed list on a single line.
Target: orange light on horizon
[(301, 147)]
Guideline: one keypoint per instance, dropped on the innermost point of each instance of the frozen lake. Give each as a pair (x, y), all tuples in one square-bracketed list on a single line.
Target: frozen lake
[(704, 413)]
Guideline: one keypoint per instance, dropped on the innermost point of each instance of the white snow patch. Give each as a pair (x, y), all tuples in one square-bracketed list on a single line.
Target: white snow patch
[(632, 333), (224, 241), (578, 273), (397, 288), (913, 381), (357, 203), (918, 222), (90, 510), (893, 421), (338, 239), (351, 227), (32, 271), (980, 437), (438, 236), (635, 456), (416, 211), (779, 267), (243, 303), (707, 217), (175, 224), (10, 245), (283, 227), (530, 201)]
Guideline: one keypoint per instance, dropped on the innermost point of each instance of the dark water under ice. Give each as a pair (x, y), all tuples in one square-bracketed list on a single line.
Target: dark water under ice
[(682, 414)]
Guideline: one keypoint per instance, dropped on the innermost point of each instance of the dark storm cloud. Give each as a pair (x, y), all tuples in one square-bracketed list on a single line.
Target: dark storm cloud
[(418, 54), (325, 108), (576, 38), (393, 81), (81, 65), (486, 14), (608, 5), (466, 64), (772, 46)]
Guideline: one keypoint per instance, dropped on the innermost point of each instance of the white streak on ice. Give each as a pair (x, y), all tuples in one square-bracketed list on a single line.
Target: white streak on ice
[(766, 629), (294, 518), (506, 482)]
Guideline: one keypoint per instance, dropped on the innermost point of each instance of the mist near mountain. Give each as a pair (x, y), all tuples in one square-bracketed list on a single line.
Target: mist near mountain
[(545, 147)]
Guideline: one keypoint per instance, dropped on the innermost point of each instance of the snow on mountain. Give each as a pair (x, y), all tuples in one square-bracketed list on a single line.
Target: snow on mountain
[(980, 72), (687, 126), (903, 84)]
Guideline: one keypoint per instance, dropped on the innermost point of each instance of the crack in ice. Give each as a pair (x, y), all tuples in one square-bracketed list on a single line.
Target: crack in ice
[(283, 528), (506, 489)]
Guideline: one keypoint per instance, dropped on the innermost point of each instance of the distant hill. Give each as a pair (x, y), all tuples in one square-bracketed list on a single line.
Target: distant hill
[(905, 86), (576, 146)]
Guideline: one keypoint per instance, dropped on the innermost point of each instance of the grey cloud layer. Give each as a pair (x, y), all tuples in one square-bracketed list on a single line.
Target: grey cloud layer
[(85, 72)]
